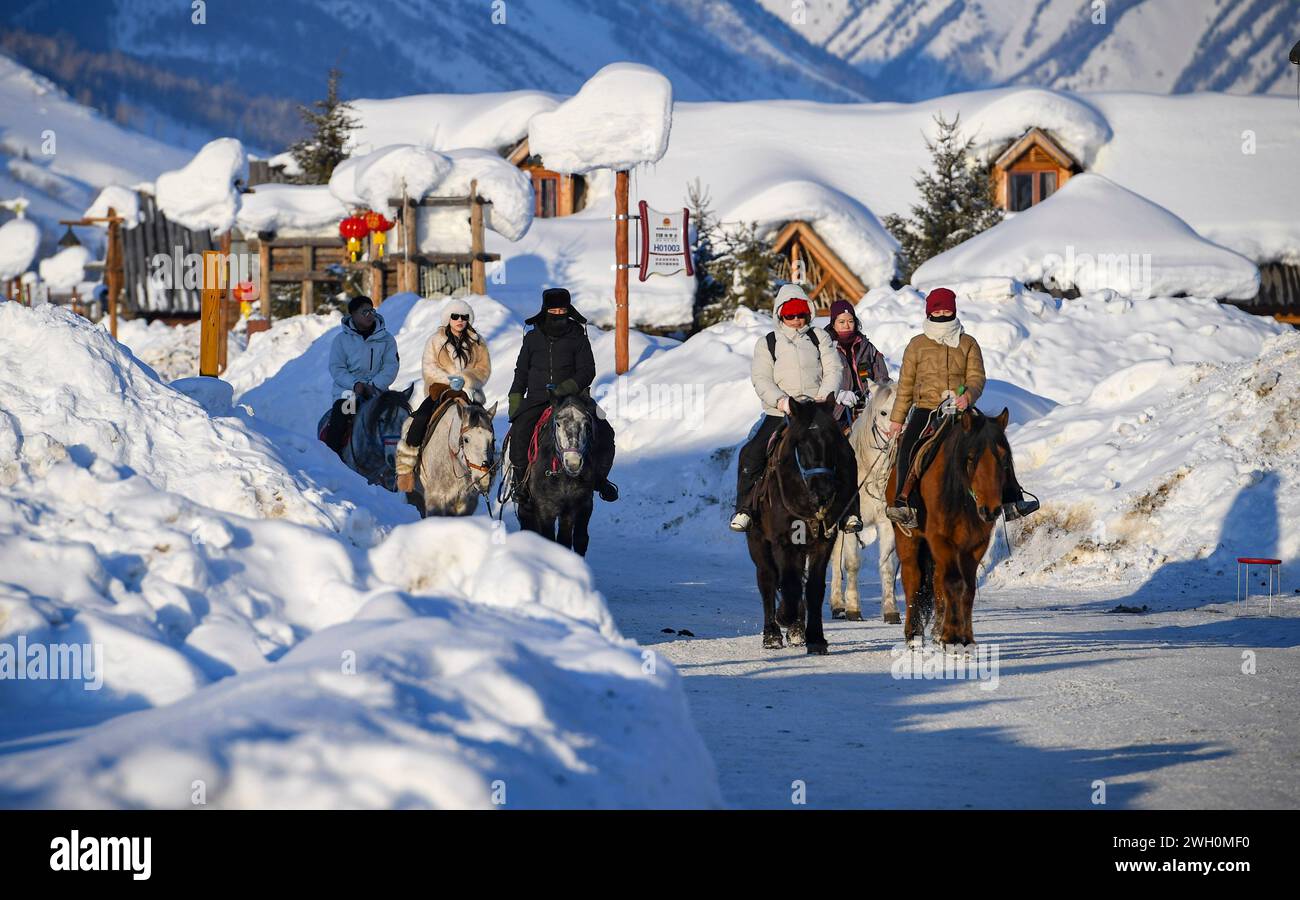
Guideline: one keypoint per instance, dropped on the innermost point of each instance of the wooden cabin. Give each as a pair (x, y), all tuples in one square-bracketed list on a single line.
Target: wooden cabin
[(155, 235), (554, 194), (1030, 170), (1279, 293), (808, 260)]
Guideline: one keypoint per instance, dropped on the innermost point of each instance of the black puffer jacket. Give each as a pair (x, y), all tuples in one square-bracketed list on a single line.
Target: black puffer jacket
[(564, 361)]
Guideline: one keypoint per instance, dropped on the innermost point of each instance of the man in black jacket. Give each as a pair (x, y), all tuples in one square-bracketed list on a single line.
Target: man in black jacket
[(556, 356)]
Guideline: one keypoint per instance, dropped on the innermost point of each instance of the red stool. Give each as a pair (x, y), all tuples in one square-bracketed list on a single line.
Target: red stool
[(1274, 567)]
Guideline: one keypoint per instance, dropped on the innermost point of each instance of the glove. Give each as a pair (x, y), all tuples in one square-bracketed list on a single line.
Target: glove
[(846, 398), (516, 401), (566, 387), (455, 382), (784, 405)]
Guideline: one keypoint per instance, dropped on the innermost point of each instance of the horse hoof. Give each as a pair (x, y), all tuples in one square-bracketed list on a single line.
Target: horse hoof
[(772, 642), (794, 637), (916, 642), (837, 613), (854, 615), (820, 648), (893, 618), (955, 649)]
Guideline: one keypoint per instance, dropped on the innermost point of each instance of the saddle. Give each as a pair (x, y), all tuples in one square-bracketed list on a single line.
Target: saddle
[(923, 451)]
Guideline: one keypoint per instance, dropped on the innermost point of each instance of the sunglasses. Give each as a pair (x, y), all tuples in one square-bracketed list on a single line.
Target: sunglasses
[(366, 311), (793, 316), (459, 317)]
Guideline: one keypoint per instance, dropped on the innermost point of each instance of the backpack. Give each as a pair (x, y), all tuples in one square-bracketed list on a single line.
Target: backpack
[(771, 341)]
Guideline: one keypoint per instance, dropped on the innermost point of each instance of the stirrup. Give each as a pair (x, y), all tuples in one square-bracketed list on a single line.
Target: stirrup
[(852, 525), (901, 515), (1019, 509), (741, 521)]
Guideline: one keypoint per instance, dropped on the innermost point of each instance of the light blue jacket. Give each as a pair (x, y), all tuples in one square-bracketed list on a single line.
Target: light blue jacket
[(356, 358)]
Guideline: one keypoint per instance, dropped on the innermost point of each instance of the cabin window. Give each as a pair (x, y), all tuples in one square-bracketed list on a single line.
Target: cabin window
[(1046, 185), (1022, 191), (546, 187)]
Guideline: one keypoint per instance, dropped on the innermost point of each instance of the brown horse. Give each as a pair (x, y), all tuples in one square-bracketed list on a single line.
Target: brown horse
[(960, 497)]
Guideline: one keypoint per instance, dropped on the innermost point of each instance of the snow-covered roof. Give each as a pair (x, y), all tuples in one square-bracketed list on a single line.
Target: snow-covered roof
[(290, 208), (846, 226), (202, 194), (1093, 234), (509, 189), (65, 269), (619, 119), (124, 201), (375, 178), (1074, 123), (448, 121)]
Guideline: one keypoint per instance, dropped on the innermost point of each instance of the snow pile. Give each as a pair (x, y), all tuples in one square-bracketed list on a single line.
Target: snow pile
[(66, 269), (124, 201), (292, 654), (1166, 468), (203, 195), (619, 119), (19, 240), (847, 227), (172, 351), (445, 121), (1073, 122), (1093, 234), (371, 180), (290, 209), (507, 187)]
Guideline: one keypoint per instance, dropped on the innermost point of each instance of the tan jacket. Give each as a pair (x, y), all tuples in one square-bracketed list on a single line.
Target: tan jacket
[(930, 368), (439, 364)]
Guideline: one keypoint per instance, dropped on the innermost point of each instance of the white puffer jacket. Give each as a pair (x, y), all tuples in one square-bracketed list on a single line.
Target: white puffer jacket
[(803, 367)]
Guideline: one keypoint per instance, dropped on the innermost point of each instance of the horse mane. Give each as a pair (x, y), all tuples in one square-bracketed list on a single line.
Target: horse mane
[(954, 488), (476, 416)]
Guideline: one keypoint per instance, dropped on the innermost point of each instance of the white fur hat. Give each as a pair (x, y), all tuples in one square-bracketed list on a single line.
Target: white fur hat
[(457, 306)]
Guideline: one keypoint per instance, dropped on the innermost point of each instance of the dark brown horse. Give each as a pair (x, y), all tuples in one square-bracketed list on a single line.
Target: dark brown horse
[(797, 503), (960, 497)]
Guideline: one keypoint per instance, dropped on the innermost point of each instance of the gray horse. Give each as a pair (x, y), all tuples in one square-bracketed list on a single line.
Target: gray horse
[(457, 461), (372, 448), (873, 454)]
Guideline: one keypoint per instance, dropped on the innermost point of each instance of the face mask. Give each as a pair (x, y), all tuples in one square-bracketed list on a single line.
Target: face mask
[(555, 325), (947, 318)]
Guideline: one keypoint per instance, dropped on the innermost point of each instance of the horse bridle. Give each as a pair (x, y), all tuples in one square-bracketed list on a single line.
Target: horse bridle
[(559, 448), (805, 474), (458, 455)]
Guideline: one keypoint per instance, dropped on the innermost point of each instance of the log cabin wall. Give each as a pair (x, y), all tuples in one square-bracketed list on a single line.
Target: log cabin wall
[(154, 235)]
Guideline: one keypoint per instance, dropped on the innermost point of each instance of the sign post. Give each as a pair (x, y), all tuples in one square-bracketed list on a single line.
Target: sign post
[(211, 331)]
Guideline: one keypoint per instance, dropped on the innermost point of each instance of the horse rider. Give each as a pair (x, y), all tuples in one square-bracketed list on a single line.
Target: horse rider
[(556, 358), (789, 362), (455, 358), (363, 364), (861, 361), (940, 363)]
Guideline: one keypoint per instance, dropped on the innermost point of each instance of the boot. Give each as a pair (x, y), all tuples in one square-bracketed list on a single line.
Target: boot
[(607, 490), (902, 515), (745, 480), (741, 521), (406, 458), (518, 486), (852, 524), (1019, 509)]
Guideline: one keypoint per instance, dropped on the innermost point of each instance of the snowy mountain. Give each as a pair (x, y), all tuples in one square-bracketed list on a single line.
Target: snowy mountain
[(241, 70), (915, 49)]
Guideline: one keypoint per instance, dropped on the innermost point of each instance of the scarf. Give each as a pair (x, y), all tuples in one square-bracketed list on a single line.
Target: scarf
[(556, 326), (946, 333)]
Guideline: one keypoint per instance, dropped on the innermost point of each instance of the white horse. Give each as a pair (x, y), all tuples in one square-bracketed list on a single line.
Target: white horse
[(457, 461), (872, 451)]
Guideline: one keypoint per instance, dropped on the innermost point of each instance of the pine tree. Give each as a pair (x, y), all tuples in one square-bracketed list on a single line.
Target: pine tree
[(956, 201), (709, 292), (330, 124)]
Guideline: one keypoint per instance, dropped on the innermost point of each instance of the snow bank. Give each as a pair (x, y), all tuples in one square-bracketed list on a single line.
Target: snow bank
[(124, 201), (373, 179), (1073, 122), (66, 269), (619, 119), (19, 240), (265, 624), (1166, 466), (1093, 234), (290, 209), (847, 227), (203, 195)]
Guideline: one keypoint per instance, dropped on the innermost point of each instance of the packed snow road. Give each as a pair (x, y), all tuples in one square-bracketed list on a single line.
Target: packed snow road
[(1158, 705)]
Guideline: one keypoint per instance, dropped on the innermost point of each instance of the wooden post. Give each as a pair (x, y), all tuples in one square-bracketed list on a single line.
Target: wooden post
[(478, 276), (226, 323), (377, 283), (409, 241), (309, 264), (113, 268), (264, 276), (620, 276), (211, 332)]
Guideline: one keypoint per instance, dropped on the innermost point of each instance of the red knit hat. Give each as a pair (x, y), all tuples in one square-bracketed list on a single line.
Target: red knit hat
[(794, 306), (940, 298)]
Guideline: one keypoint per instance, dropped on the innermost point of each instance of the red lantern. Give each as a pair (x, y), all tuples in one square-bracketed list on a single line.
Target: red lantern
[(378, 225), (353, 228)]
